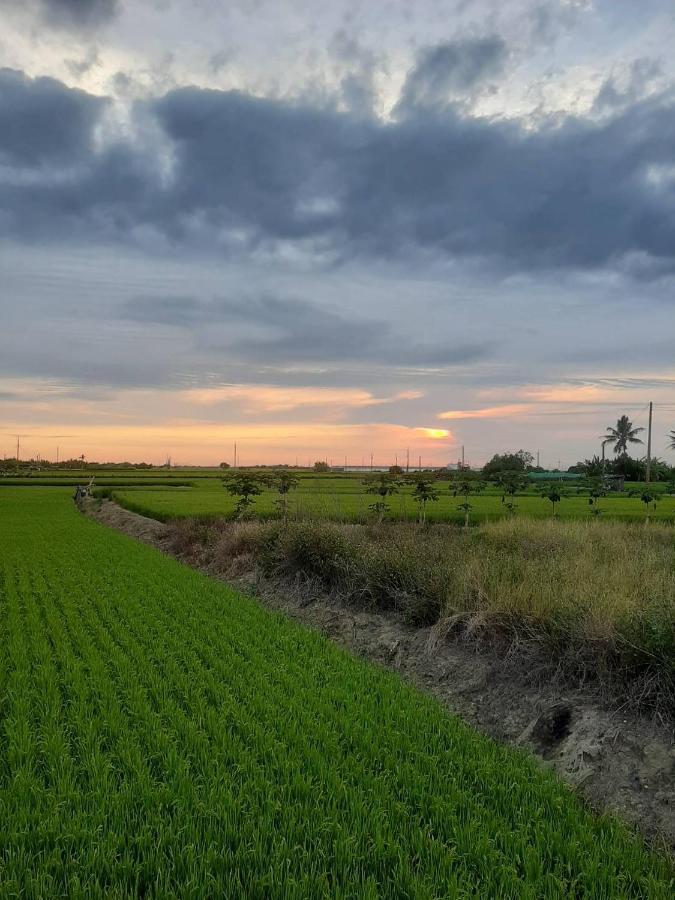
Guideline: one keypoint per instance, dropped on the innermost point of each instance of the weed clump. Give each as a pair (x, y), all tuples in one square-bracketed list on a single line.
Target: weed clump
[(596, 597)]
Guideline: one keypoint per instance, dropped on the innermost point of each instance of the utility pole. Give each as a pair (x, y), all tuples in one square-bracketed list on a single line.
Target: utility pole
[(649, 445), (371, 462), (57, 455), (420, 463), (235, 454), (462, 457), (407, 460), (537, 459)]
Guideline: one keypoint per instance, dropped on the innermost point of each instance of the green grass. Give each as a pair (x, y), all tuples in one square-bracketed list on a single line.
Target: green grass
[(162, 735), (344, 499)]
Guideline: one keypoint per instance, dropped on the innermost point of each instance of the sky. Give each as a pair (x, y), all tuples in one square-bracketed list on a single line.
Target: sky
[(326, 231)]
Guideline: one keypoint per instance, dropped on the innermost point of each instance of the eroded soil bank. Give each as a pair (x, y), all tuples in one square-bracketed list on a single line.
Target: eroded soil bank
[(618, 761)]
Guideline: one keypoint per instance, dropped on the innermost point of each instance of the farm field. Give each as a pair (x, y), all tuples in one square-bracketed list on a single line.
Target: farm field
[(163, 735), (341, 498)]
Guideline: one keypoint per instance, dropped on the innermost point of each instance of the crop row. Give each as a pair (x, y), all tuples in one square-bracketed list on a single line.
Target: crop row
[(354, 505)]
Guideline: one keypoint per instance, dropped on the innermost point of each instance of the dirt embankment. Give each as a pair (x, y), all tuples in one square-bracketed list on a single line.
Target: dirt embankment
[(617, 761)]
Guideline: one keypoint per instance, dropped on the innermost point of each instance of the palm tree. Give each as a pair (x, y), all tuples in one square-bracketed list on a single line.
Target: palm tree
[(621, 436), (671, 438)]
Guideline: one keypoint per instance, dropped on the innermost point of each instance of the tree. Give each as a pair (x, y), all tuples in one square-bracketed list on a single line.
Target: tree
[(511, 483), (648, 500), (660, 470), (622, 435), (284, 483), (224, 465), (395, 470), (246, 486), (553, 495), (423, 493), (381, 486), (466, 486), (596, 492), (590, 467), (321, 466), (518, 461)]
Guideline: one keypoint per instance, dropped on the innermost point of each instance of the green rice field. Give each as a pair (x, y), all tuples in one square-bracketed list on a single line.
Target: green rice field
[(162, 735), (341, 498)]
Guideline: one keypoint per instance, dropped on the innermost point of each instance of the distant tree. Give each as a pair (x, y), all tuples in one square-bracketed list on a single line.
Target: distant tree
[(595, 494), (649, 500), (553, 495), (464, 486), (224, 465), (381, 486), (623, 434), (519, 461), (284, 482), (424, 492), (660, 470), (631, 469), (395, 470), (245, 486), (321, 466), (511, 483), (591, 467)]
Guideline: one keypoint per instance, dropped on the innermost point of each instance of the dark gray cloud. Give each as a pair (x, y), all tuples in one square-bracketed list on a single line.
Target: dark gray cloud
[(248, 172), (44, 123), (289, 330), (78, 13), (451, 70)]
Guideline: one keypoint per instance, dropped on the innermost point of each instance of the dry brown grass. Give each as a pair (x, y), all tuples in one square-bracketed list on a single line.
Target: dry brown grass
[(598, 596)]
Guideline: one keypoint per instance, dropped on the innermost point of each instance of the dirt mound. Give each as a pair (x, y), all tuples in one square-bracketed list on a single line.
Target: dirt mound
[(617, 761), (149, 531)]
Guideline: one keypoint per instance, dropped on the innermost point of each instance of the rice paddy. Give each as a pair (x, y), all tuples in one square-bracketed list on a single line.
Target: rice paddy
[(163, 735)]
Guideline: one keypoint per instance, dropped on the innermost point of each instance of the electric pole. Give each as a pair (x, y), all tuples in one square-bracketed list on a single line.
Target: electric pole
[(649, 445), (407, 460)]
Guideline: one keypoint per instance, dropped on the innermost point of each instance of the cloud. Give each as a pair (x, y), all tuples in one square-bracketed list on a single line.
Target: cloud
[(44, 124), (270, 329), (492, 412), (257, 399), (76, 14), (226, 172), (621, 89), (450, 70)]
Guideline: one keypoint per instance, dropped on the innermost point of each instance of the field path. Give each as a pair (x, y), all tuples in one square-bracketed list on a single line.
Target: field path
[(617, 761)]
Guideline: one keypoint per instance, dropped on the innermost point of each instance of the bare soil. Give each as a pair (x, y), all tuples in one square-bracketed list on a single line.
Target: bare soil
[(618, 761)]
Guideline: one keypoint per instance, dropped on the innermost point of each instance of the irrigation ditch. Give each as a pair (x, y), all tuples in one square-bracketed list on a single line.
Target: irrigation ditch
[(618, 759)]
